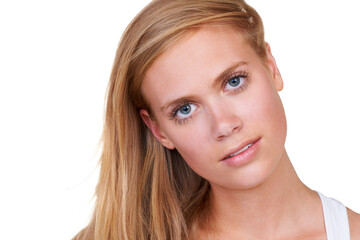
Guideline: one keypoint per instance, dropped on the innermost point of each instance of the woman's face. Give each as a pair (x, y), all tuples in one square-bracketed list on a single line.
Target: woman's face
[(213, 99)]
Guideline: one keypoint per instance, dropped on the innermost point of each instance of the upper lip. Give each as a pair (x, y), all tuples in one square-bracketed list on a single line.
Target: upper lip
[(239, 147)]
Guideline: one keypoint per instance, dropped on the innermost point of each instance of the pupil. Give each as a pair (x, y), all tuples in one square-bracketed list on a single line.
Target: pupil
[(185, 109)]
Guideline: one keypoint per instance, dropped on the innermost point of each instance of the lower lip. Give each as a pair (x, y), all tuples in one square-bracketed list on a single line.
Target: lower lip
[(244, 157)]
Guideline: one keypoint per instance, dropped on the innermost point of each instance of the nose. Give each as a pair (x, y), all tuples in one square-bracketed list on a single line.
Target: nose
[(224, 121)]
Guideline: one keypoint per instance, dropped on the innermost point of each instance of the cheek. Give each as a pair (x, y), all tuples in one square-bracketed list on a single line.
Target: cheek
[(273, 117), (265, 111), (193, 154), (192, 142)]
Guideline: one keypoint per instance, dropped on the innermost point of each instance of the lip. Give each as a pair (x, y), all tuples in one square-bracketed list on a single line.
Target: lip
[(243, 157)]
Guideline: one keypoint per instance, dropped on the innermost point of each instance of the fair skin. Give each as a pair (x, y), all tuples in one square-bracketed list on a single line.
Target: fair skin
[(211, 96)]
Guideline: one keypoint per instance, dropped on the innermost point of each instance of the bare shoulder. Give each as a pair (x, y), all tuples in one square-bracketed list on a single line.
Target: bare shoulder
[(354, 222)]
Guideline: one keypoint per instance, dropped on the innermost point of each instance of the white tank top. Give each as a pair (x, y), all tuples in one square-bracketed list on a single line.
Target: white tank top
[(336, 219)]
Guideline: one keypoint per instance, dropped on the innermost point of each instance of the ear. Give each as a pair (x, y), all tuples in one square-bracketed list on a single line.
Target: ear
[(275, 73), (155, 129)]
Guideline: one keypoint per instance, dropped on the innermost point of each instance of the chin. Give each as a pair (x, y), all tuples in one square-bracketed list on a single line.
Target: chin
[(253, 175)]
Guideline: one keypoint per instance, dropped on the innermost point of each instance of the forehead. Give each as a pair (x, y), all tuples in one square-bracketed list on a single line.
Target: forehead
[(196, 58)]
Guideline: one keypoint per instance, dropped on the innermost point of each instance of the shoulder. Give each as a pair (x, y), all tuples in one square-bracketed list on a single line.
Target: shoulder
[(354, 223)]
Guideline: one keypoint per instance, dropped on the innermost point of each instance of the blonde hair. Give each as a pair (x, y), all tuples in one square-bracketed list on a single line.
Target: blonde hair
[(146, 191)]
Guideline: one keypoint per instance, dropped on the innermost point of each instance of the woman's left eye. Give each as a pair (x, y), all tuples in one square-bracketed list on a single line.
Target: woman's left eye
[(235, 82)]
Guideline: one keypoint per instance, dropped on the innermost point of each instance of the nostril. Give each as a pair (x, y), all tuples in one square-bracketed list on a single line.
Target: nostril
[(220, 137), (236, 129), (227, 127)]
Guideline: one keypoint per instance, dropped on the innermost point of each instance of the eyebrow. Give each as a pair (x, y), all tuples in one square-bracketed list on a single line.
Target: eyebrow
[(219, 79), (177, 101)]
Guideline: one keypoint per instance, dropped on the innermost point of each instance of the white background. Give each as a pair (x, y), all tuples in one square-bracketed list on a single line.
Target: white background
[(55, 61)]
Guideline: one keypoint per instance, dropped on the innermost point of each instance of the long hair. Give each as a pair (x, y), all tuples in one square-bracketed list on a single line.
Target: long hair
[(146, 191)]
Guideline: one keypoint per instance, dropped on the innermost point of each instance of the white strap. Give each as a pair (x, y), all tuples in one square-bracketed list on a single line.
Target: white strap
[(336, 219)]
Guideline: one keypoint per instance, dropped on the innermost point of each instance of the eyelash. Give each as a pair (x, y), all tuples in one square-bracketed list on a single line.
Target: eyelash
[(177, 108), (182, 121), (242, 74)]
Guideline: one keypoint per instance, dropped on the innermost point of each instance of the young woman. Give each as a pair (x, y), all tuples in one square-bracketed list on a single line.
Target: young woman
[(194, 135)]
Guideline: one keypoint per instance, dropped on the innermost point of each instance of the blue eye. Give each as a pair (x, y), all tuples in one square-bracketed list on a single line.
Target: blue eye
[(235, 83), (185, 110)]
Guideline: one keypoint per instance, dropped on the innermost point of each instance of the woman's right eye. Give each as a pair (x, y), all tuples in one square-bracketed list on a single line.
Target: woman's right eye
[(184, 111)]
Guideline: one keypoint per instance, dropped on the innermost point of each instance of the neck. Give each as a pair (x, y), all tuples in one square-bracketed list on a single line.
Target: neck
[(276, 206)]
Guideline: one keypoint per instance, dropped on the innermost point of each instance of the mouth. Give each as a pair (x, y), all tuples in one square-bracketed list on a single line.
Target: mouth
[(243, 149)]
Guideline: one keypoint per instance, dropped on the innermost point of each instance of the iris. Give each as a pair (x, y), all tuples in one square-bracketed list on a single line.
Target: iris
[(235, 82), (186, 109)]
